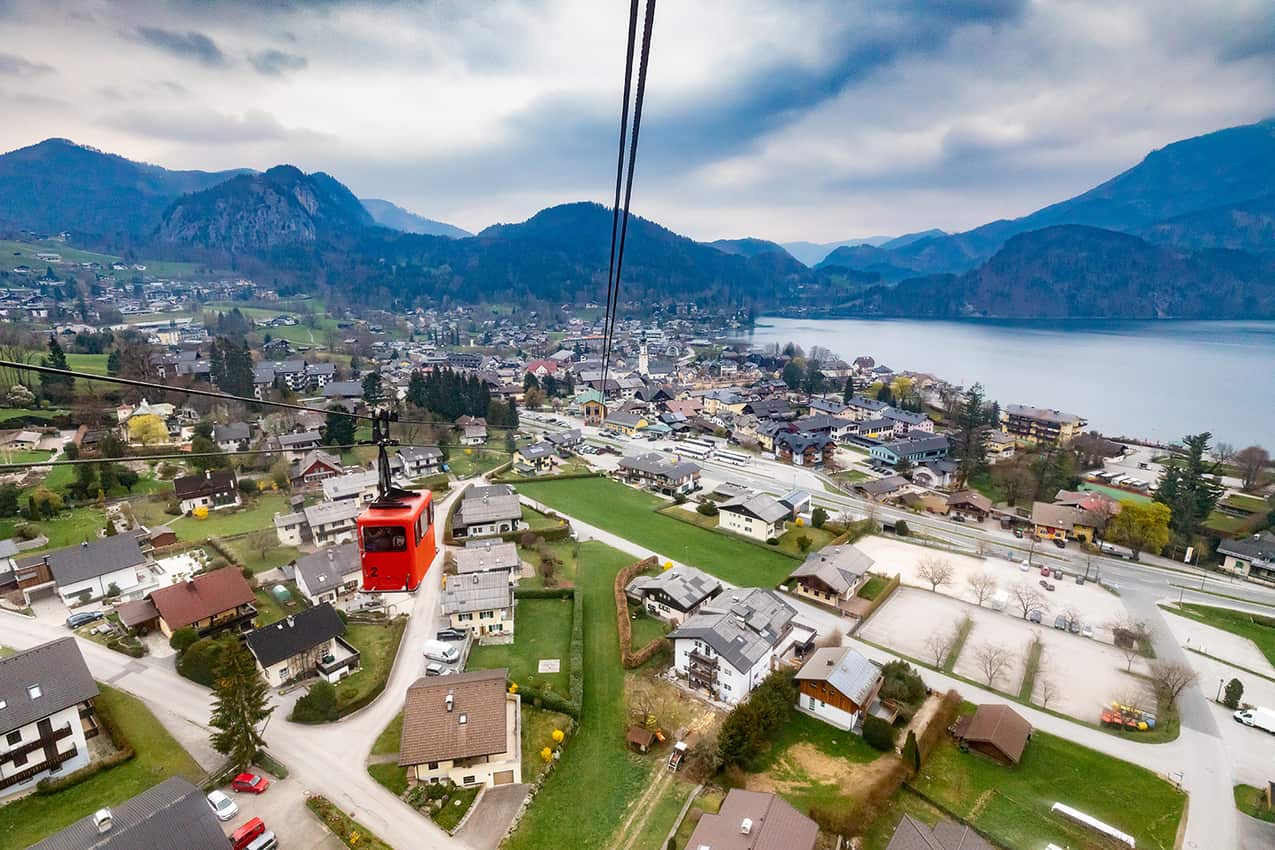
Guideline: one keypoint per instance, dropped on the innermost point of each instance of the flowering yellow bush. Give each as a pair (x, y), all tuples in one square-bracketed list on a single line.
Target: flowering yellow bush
[(513, 687), (558, 736), (668, 565), (800, 522), (546, 754), (200, 512)]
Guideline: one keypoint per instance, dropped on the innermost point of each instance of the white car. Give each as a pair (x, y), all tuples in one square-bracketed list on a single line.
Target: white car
[(223, 807), (436, 650)]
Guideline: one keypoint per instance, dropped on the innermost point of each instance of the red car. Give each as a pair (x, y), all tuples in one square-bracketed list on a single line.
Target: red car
[(1044, 571), (250, 782)]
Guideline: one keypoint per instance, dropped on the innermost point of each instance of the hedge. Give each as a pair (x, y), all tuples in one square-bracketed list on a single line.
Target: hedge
[(543, 592), (878, 733), (545, 698), (873, 604), (940, 720), (130, 646), (123, 752), (561, 532), (352, 833), (270, 764), (628, 658), (575, 684), (524, 479)]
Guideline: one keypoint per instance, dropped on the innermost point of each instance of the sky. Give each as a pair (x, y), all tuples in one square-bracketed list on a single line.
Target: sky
[(779, 119)]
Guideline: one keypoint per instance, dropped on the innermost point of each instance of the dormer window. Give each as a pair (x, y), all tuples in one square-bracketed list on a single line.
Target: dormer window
[(34, 691)]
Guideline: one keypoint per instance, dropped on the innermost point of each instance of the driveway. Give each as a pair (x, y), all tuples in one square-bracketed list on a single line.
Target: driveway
[(282, 809), (488, 824)]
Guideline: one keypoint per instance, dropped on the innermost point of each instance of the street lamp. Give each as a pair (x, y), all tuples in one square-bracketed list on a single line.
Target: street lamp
[(1218, 698)]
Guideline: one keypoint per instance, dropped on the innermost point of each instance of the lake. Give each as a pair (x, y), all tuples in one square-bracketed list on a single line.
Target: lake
[(1158, 380)]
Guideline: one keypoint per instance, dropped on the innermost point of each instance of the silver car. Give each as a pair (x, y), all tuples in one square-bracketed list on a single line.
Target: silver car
[(223, 807)]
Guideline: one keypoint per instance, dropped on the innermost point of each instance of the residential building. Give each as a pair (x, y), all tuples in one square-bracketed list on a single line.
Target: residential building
[(473, 430), (660, 473), (912, 834), (485, 510), (881, 488), (1040, 425), (291, 528), (306, 643), (995, 731), (535, 459), (331, 574), (332, 522), (625, 422), (295, 446), (838, 685), (464, 729), (484, 556), (173, 815), (915, 451), (971, 504), (1053, 522), (860, 407), (313, 467), (209, 603), (1252, 556), (481, 603), (420, 461), (212, 490), (360, 487), (907, 422), (935, 474), (346, 393), (46, 714), (754, 820), (234, 437), (754, 515), (564, 441), (876, 428), (730, 644), (87, 571), (999, 445), (833, 575), (804, 448), (833, 427), (673, 594)]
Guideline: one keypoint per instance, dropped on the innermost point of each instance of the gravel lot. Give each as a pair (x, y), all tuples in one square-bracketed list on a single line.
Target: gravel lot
[(282, 809), (1252, 750), (1238, 650)]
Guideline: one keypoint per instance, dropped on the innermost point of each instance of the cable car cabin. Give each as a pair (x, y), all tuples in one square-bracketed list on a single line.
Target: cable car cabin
[(397, 543)]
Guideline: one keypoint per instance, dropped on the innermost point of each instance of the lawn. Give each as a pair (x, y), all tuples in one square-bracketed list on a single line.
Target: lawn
[(564, 550), (645, 629), (268, 608), (538, 725), (389, 774), (629, 513), (798, 785), (28, 458), (1227, 524), (252, 558), (1260, 630), (585, 798), (468, 462), (72, 527), (377, 646), (537, 521), (93, 364), (872, 587), (257, 513), (709, 802), (878, 835), (819, 538), (391, 738), (1252, 802), (542, 629), (1240, 502), (1011, 805), (662, 813), (8, 413), (451, 813), (30, 819)]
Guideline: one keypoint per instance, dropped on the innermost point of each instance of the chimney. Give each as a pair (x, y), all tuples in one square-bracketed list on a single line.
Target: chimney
[(207, 474), (102, 820), (84, 544), (463, 719), (190, 584), (746, 826), (451, 702)]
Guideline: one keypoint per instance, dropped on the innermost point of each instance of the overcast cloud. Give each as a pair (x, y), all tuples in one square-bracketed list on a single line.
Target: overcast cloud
[(773, 118)]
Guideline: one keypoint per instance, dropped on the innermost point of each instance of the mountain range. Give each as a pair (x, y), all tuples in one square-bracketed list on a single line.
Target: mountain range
[(1187, 232)]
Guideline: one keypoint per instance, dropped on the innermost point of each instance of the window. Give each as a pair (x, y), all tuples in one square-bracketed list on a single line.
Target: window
[(485, 615), (283, 672), (34, 691), (384, 538), (432, 766), (468, 780), (19, 759), (14, 738)]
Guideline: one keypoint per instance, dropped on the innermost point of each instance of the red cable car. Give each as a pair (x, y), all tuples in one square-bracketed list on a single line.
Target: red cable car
[(396, 542)]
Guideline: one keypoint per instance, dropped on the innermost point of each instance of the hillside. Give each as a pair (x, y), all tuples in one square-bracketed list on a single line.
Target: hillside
[(394, 217), (812, 253), (748, 247), (57, 185)]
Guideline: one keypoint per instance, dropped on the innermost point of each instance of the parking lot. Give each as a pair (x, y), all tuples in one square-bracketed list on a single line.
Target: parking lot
[(282, 809)]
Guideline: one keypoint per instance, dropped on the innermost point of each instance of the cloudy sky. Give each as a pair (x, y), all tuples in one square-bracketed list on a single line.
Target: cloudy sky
[(773, 118)]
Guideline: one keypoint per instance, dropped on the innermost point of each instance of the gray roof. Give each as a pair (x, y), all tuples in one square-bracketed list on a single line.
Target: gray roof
[(8, 548), (879, 486), (329, 512), (846, 669), (58, 668), (656, 464), (90, 559), (173, 815), (305, 438), (481, 556), (740, 625), (488, 504), (905, 416), (564, 438), (686, 586), (839, 567), (327, 568), (903, 448), (294, 634), (537, 450), (343, 389), (1255, 547), (759, 505), (235, 432), (1043, 414), (477, 592), (421, 453), (912, 834), (350, 484)]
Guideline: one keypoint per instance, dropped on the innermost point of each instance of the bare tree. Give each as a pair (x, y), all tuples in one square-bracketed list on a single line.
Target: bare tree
[(829, 639), (992, 661), (936, 570), (1048, 690), (262, 542), (1131, 654), (1252, 462), (982, 585), (1028, 599), (1072, 617), (939, 644), (1170, 678)]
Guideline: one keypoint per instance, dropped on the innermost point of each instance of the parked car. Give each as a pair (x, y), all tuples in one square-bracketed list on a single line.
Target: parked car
[(243, 837), (265, 841), (1074, 627), (436, 669), (1018, 532), (1034, 616), (1060, 622), (1047, 585), (1080, 579), (1060, 543), (250, 782), (1025, 567), (223, 807), (450, 634), (1057, 573), (1086, 631), (436, 650), (82, 618), (1044, 571), (958, 517)]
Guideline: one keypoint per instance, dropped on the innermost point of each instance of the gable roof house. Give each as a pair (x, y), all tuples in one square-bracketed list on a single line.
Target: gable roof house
[(838, 685), (209, 603), (660, 473), (1053, 522), (233, 437), (914, 451), (463, 728), (330, 574), (535, 459), (481, 603), (754, 515), (754, 820), (307, 642), (46, 701), (673, 594), (908, 422), (88, 570), (996, 731), (313, 467), (483, 556), (331, 522), (360, 486), (912, 834), (420, 461), (833, 575), (173, 815), (804, 448), (731, 644), (1250, 556), (970, 503), (489, 509), (295, 446), (213, 490)]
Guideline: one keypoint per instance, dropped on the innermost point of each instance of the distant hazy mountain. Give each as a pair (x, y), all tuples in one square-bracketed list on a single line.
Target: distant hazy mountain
[(811, 253), (57, 185), (909, 238), (748, 247), (261, 212), (395, 217)]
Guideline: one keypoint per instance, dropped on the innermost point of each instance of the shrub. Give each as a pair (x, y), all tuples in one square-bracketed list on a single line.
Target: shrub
[(804, 542), (679, 498), (182, 639), (912, 752), (772, 541), (247, 573), (112, 589), (902, 683), (901, 528), (746, 731), (1234, 692), (818, 517), (201, 659), (878, 733), (317, 706), (706, 509)]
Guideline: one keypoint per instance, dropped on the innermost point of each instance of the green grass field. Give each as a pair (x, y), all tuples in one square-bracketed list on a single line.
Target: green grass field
[(818, 539), (159, 756), (1252, 802), (1011, 804), (94, 364), (629, 513), (377, 646), (542, 629), (1260, 630), (390, 739), (254, 560), (800, 787), (13, 254), (255, 514), (72, 527), (8, 414), (585, 798), (28, 457), (1115, 493)]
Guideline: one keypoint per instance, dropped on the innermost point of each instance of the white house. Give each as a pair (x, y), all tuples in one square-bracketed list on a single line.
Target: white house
[(487, 509), (673, 594), (464, 729), (46, 702), (212, 490), (754, 515), (838, 685), (330, 574), (731, 644), (332, 522), (361, 487), (91, 568), (303, 644), (481, 603)]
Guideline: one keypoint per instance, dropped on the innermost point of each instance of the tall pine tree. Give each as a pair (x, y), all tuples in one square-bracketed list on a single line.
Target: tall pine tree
[(58, 389), (242, 703), (969, 442)]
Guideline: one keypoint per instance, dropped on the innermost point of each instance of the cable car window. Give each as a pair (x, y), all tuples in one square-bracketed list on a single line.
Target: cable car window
[(384, 538), (421, 525)]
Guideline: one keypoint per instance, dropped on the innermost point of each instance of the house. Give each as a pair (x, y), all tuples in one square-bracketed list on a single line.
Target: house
[(301, 644), (535, 459), (349, 393), (209, 603), (314, 466), (592, 406), (213, 490), (625, 422), (484, 510), (754, 820), (173, 815), (360, 487), (1053, 522), (935, 474), (473, 430), (46, 714), (907, 422), (833, 575), (660, 473), (915, 451), (830, 426), (234, 437), (876, 428), (564, 441), (160, 536), (481, 603), (1040, 425), (674, 594), (331, 522), (970, 503), (796, 501), (295, 446), (880, 488), (838, 685), (88, 570), (1252, 556), (330, 574), (769, 408), (420, 461), (754, 515), (464, 729), (291, 528), (24, 441), (912, 834), (859, 408), (804, 448), (999, 445), (483, 556), (996, 731), (542, 368), (730, 644)]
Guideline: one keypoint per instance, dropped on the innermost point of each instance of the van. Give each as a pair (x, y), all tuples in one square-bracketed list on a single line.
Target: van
[(436, 650), (266, 841), (243, 837)]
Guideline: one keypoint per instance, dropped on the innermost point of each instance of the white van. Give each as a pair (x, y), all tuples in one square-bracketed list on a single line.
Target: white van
[(436, 650)]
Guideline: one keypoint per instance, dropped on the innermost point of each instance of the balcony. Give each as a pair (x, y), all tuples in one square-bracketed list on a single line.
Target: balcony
[(342, 659), (699, 659), (238, 620)]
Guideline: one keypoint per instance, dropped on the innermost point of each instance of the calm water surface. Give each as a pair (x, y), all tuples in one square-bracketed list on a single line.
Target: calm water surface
[(1158, 380)]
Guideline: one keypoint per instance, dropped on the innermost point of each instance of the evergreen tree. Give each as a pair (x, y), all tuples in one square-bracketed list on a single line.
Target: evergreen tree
[(242, 702), (201, 445), (848, 392), (530, 381), (113, 362), (416, 391), (372, 391), (969, 441), (1190, 489), (338, 428), (884, 394), (58, 389)]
